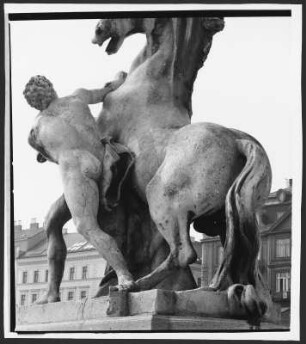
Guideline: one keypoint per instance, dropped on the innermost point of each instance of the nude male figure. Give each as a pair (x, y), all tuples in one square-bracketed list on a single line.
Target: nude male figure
[(65, 133)]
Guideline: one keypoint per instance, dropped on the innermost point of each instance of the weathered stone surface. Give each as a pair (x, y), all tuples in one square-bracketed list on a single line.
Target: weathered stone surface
[(62, 311), (154, 301), (200, 302), (118, 303), (135, 311), (150, 322)]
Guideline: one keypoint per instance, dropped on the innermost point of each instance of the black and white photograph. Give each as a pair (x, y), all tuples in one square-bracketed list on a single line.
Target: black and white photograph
[(154, 181)]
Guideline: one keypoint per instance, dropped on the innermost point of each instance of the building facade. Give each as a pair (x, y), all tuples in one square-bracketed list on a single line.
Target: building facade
[(84, 268)]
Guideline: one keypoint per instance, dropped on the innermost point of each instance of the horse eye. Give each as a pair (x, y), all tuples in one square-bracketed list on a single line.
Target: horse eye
[(98, 30)]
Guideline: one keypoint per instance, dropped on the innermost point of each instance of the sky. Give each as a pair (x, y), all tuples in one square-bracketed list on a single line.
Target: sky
[(248, 82)]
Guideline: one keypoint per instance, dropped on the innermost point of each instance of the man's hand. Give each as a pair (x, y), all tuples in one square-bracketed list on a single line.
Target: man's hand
[(119, 80), (97, 96)]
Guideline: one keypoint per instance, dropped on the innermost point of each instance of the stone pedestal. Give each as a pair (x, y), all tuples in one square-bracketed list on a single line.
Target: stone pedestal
[(153, 310)]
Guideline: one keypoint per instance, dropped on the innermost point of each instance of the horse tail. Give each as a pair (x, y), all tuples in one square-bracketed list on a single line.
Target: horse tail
[(248, 192)]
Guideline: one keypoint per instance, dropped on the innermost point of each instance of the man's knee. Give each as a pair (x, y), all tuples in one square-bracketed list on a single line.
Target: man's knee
[(51, 221), (85, 226), (56, 217)]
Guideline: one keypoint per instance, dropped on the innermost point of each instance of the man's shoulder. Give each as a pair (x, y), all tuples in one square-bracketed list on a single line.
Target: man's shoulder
[(67, 101)]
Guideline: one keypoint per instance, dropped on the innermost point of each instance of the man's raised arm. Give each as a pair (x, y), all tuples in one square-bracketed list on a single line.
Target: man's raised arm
[(98, 95)]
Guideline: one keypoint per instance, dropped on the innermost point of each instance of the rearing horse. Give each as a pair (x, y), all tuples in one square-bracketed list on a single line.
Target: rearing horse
[(203, 173)]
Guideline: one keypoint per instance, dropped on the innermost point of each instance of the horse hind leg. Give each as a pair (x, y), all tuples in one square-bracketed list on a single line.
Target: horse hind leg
[(173, 224), (181, 253)]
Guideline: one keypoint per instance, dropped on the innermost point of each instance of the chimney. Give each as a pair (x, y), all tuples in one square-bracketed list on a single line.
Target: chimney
[(289, 183), (34, 224), (18, 225), (18, 252)]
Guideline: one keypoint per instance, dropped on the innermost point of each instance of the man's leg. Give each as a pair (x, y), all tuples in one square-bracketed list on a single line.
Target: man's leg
[(57, 216), (82, 197)]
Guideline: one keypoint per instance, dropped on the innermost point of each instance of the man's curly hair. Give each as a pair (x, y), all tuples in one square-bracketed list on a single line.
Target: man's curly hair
[(39, 92)]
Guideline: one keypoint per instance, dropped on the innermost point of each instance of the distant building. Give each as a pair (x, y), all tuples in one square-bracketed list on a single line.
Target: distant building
[(196, 267), (274, 220), (84, 268)]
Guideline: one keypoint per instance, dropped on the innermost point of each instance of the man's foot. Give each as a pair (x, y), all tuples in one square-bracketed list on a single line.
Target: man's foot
[(48, 298)]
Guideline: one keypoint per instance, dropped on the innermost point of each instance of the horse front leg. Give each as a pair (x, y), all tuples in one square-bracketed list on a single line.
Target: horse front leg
[(164, 270), (56, 218)]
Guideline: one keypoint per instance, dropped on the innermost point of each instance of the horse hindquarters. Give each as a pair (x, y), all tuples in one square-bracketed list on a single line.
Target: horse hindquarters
[(248, 191)]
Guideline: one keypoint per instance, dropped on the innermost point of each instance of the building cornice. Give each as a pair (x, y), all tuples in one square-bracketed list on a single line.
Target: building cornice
[(44, 260)]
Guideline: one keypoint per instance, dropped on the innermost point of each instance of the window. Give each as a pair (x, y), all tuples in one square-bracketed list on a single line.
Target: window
[(46, 275), (84, 272), (83, 294), (22, 299), (24, 277), (282, 281), (34, 297), (71, 273), (70, 295), (36, 276), (199, 281), (283, 247)]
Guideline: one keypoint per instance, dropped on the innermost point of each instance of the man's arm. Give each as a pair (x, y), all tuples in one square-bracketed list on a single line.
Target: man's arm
[(98, 95)]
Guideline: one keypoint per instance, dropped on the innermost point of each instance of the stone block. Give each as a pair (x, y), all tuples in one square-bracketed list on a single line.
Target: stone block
[(117, 303), (154, 301), (149, 322), (202, 302), (147, 310)]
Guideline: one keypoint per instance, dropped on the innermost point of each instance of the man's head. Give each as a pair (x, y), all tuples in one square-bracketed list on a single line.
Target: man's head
[(39, 92)]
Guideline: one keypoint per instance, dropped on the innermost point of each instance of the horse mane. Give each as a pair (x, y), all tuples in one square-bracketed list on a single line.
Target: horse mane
[(193, 40)]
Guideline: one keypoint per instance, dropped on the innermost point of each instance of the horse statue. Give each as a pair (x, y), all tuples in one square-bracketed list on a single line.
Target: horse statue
[(203, 173)]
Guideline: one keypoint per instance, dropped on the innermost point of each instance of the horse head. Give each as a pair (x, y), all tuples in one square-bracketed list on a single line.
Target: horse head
[(118, 29), (183, 43)]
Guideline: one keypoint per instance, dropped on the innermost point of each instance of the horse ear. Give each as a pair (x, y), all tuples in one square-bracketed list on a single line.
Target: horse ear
[(117, 163)]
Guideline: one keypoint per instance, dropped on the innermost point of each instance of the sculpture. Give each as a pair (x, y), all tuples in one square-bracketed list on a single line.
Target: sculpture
[(203, 173), (227, 170), (66, 133)]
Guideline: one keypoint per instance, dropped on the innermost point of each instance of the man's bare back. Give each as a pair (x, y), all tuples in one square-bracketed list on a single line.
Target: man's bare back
[(66, 133)]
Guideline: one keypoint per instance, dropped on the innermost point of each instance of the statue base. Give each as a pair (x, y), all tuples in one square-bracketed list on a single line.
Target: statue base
[(152, 310)]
